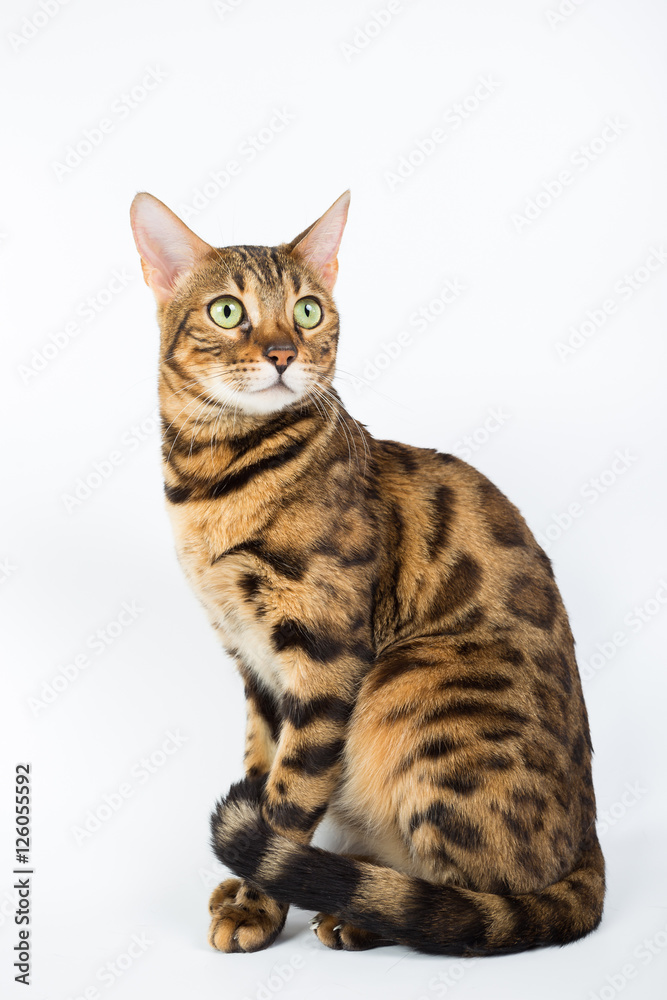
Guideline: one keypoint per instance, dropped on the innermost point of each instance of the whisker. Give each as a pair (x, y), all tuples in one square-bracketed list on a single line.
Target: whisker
[(362, 433), (340, 373), (318, 390), (194, 431), (187, 420)]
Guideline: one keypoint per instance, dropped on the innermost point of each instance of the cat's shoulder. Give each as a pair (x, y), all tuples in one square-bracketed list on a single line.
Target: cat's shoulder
[(423, 475), (428, 462)]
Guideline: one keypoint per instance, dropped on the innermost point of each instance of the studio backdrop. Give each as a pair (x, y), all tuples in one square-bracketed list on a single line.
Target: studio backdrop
[(502, 294)]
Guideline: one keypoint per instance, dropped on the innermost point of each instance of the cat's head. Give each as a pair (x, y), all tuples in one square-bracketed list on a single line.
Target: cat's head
[(253, 328)]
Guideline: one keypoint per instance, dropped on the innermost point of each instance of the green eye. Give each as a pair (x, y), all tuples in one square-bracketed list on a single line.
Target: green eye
[(227, 312), (307, 313)]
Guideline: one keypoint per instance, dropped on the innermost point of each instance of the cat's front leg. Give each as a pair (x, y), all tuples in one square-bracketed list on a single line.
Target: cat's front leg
[(294, 796), (307, 764), (262, 727), (243, 918), (321, 664), (291, 800)]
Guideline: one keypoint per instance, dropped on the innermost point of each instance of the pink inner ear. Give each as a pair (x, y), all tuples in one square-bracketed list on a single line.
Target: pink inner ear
[(167, 247), (319, 248)]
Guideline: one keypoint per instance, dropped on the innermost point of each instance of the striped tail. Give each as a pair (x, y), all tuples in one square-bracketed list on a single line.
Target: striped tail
[(437, 919)]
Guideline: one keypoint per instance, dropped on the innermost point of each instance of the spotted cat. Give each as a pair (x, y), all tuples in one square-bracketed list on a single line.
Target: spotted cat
[(408, 664)]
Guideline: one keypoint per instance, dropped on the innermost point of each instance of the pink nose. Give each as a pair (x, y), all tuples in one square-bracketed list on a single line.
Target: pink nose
[(281, 357)]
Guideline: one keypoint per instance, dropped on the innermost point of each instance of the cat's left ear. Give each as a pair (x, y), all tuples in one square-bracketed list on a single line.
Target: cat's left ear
[(318, 245), (168, 249)]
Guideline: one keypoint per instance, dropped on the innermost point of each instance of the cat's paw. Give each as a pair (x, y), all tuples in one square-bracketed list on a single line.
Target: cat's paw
[(243, 918), (224, 893), (336, 933)]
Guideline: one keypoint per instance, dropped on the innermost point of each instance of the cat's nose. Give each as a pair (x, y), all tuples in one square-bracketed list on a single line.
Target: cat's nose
[(281, 356)]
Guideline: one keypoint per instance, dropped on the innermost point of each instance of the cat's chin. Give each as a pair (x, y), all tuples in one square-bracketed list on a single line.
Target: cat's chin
[(270, 400), (258, 402)]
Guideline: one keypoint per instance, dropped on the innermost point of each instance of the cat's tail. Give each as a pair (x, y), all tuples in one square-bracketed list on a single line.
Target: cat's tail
[(438, 919)]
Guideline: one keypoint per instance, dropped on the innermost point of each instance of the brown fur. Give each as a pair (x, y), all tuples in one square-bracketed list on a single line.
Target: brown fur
[(408, 661)]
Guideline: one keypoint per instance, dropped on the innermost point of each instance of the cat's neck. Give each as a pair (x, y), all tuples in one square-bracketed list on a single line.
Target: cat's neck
[(201, 439)]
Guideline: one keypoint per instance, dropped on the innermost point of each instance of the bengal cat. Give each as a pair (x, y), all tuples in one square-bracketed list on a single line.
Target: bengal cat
[(408, 663)]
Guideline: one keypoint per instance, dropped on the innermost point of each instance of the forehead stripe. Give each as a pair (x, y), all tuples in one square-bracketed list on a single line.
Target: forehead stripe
[(253, 265), (276, 262)]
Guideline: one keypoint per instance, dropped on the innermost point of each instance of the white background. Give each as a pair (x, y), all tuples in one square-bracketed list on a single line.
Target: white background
[(358, 105)]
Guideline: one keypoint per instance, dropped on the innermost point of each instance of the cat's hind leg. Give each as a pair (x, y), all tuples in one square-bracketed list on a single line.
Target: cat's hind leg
[(343, 936), (339, 935)]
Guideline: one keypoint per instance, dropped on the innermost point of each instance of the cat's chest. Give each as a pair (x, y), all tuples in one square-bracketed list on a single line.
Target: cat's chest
[(220, 583)]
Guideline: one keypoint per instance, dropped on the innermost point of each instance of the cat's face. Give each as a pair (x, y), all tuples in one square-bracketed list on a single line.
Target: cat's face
[(252, 328)]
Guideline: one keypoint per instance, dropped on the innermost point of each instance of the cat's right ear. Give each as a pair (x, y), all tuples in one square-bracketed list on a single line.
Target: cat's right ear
[(168, 249)]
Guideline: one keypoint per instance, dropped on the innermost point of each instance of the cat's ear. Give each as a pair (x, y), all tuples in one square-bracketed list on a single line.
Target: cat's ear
[(318, 245), (167, 247)]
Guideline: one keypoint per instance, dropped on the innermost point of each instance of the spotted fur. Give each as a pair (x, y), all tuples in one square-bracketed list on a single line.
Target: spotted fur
[(408, 663)]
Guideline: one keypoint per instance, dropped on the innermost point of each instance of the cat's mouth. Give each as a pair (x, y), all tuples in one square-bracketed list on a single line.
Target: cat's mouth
[(269, 398), (256, 398), (279, 382), (274, 385)]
